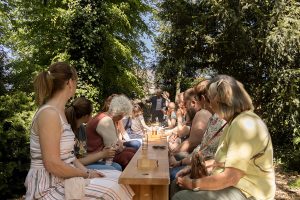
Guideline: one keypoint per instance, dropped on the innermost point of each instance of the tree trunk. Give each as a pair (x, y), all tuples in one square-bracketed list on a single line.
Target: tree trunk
[(178, 82)]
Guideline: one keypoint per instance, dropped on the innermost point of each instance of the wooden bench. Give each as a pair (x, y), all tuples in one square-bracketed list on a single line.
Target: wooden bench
[(149, 182)]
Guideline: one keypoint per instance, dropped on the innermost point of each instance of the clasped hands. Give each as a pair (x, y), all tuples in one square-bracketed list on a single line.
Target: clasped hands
[(183, 178), (94, 173), (109, 152)]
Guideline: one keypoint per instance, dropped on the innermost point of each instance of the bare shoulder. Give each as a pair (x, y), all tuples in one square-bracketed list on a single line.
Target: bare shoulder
[(203, 113), (48, 115), (105, 121)]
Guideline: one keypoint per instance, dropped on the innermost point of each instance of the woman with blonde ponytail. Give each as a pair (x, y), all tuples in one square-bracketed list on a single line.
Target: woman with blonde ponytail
[(53, 163)]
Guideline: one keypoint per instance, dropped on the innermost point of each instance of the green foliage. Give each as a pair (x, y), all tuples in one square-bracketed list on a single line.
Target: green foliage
[(280, 109), (2, 71), (34, 34), (16, 112), (281, 94), (104, 41), (90, 92), (101, 38)]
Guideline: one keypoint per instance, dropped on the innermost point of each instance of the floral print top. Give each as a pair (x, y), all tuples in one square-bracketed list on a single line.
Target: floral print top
[(80, 146), (214, 124)]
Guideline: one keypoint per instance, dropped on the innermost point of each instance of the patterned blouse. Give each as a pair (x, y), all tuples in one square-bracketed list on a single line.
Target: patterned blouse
[(80, 146), (214, 124)]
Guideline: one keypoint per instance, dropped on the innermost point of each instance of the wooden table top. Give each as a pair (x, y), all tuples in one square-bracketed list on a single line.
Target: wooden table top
[(134, 175)]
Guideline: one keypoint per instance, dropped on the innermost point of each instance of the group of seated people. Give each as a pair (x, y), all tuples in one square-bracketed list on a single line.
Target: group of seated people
[(213, 121), (216, 126), (101, 138)]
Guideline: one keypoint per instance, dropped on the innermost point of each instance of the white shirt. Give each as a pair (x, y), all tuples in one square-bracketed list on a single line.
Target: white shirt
[(158, 104)]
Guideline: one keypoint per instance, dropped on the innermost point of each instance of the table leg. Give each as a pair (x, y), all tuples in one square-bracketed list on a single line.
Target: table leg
[(150, 192)]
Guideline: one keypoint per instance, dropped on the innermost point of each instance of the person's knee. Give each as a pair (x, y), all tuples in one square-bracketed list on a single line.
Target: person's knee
[(117, 166), (173, 173), (177, 196), (136, 144)]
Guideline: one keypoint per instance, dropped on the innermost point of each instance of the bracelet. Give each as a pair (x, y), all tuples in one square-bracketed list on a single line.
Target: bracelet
[(193, 183), (194, 188), (88, 172)]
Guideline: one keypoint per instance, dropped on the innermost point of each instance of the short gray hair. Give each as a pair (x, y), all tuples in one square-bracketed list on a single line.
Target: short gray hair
[(120, 105)]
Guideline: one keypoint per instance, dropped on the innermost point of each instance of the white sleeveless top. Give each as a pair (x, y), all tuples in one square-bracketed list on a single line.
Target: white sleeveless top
[(40, 184)]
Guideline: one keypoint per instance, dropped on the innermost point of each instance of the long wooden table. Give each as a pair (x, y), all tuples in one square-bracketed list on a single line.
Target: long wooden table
[(152, 183)]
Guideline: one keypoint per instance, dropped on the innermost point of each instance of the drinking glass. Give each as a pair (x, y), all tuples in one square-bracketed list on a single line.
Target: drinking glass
[(109, 161), (145, 141)]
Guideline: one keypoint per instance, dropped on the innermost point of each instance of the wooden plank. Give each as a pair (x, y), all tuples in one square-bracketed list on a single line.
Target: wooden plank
[(149, 182), (160, 192), (157, 176)]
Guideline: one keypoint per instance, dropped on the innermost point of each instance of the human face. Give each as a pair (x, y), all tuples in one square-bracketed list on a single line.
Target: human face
[(197, 104)]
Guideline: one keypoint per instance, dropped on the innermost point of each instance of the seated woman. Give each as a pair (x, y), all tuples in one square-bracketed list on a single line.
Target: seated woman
[(53, 163), (210, 140), (102, 131), (244, 157), (121, 128), (171, 118), (138, 124), (77, 115)]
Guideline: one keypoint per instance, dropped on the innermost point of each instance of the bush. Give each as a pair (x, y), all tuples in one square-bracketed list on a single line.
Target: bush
[(280, 109), (16, 113)]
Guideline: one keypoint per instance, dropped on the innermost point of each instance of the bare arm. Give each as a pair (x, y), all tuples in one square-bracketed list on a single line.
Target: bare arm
[(184, 161), (182, 131), (179, 115), (106, 129), (198, 128), (197, 131), (145, 125), (50, 135), (94, 157), (79, 165), (171, 123), (230, 177)]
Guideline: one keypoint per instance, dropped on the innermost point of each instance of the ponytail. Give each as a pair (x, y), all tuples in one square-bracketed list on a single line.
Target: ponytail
[(71, 117), (43, 86)]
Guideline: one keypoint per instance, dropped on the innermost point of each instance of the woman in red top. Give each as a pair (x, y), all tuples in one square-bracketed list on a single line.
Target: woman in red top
[(102, 131)]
